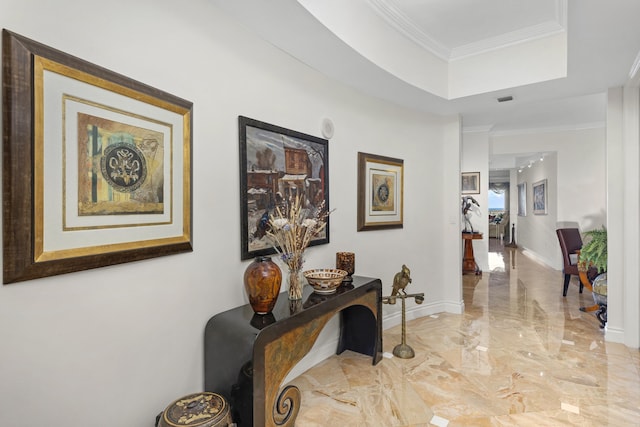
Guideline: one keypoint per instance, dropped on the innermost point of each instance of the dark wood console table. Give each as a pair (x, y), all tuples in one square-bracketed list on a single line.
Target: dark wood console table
[(247, 356)]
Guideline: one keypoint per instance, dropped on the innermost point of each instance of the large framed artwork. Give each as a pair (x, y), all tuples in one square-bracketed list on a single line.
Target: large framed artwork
[(470, 183), (96, 167), (539, 190), (522, 199), (276, 165), (380, 192)]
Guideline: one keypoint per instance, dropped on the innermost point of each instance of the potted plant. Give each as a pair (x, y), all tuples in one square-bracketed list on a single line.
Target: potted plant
[(594, 254), (594, 251)]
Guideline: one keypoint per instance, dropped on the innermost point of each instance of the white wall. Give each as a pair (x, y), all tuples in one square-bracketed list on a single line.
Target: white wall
[(537, 232), (114, 346), (381, 44), (475, 158), (513, 206), (615, 226), (623, 164), (581, 180), (448, 73), (452, 291), (519, 64)]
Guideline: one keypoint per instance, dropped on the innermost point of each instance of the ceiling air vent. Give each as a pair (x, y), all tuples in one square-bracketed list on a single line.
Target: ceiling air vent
[(505, 98)]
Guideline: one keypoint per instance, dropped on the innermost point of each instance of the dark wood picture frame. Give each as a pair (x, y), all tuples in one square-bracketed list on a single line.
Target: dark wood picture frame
[(276, 164), (470, 183), (34, 247), (380, 192)]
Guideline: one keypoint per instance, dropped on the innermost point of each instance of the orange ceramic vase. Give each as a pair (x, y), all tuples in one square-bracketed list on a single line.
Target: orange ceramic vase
[(262, 280)]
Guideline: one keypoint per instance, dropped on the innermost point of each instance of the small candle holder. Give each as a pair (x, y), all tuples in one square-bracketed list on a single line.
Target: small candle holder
[(346, 261)]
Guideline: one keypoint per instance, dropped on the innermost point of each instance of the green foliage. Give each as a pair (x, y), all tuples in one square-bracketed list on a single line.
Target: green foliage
[(594, 251)]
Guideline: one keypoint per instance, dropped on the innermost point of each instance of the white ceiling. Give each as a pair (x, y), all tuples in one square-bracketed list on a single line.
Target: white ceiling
[(451, 27), (603, 43), (481, 19)]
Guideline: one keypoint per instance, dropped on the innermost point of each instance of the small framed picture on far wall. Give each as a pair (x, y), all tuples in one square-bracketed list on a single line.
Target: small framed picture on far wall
[(470, 183), (539, 190)]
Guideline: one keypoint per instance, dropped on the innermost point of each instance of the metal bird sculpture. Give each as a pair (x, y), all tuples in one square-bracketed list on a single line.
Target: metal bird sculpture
[(401, 280), (467, 207)]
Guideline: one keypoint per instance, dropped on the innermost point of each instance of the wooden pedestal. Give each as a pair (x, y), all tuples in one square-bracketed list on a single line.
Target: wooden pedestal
[(469, 265)]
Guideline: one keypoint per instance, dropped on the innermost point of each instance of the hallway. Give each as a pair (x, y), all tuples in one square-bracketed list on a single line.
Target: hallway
[(520, 355)]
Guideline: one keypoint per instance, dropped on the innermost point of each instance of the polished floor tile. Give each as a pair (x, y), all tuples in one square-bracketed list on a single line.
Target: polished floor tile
[(520, 355)]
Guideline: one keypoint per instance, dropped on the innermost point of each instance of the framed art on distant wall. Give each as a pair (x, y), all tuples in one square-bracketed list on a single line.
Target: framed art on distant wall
[(278, 164), (470, 183), (539, 190), (380, 192), (522, 199), (96, 168)]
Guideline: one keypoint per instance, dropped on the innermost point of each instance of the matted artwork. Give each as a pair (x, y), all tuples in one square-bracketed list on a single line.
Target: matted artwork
[(470, 183), (129, 176), (276, 165), (539, 190), (97, 167), (522, 199), (380, 192)]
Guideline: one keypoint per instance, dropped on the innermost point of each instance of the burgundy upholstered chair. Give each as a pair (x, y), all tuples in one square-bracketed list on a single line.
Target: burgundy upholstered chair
[(570, 244)]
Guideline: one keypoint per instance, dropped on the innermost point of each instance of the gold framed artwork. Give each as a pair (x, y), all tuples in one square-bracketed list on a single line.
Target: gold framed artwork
[(380, 192), (96, 168)]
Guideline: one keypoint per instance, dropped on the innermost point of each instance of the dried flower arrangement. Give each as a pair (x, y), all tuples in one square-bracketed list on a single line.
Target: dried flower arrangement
[(292, 227)]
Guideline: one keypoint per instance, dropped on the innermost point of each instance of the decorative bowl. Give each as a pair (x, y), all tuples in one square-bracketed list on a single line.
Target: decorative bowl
[(325, 280)]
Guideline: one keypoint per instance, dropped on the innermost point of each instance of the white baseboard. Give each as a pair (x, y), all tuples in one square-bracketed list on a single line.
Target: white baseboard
[(614, 335), (418, 311), (540, 259)]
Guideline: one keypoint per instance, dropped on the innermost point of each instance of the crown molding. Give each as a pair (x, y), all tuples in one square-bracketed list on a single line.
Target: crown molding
[(477, 129), (512, 38), (550, 129), (390, 12)]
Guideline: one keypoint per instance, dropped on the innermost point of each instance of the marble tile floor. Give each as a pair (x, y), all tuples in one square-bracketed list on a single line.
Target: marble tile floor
[(520, 355)]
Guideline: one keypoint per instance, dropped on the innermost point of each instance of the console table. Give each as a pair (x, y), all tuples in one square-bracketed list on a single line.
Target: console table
[(247, 356)]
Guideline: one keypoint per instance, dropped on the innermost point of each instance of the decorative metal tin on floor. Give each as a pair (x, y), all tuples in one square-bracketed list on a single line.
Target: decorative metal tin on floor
[(203, 409)]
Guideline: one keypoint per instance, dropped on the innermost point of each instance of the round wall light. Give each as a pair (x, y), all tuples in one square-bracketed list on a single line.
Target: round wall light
[(327, 128)]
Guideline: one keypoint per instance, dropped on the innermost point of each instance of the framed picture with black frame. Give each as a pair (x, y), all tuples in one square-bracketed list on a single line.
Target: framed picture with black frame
[(276, 165)]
